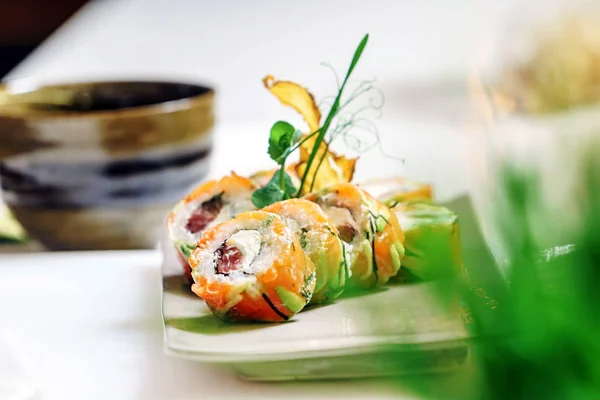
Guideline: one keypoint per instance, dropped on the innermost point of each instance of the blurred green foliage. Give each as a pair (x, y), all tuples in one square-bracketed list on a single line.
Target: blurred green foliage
[(544, 340), (540, 337), (551, 349)]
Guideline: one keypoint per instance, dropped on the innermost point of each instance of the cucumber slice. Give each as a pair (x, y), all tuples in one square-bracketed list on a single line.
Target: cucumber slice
[(395, 257), (292, 301), (380, 222), (186, 249)]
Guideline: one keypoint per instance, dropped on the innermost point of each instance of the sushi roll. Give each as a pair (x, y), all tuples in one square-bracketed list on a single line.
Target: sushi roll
[(369, 229), (320, 241), (432, 244), (392, 191), (209, 204), (252, 268)]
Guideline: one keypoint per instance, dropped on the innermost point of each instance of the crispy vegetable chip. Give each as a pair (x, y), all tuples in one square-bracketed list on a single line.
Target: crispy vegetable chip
[(293, 95), (334, 168)]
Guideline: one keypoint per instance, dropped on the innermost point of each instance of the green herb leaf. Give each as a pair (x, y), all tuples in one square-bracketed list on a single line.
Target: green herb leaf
[(297, 136), (289, 185), (281, 139), (357, 55), (332, 113), (274, 191), (267, 195)]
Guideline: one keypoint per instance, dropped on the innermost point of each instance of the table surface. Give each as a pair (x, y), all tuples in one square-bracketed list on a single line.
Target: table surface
[(88, 325)]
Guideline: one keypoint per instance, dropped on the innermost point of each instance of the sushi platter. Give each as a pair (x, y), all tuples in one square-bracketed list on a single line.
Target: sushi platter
[(344, 339), (299, 273)]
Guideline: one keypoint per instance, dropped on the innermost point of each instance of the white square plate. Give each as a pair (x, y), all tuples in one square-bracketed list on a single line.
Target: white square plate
[(341, 340)]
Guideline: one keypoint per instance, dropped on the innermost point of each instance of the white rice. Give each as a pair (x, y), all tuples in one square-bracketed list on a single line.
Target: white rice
[(271, 246), (233, 204)]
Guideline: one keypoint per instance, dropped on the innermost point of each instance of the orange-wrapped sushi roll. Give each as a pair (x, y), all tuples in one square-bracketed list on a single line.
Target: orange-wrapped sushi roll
[(370, 230), (392, 191), (209, 204), (252, 268), (320, 241)]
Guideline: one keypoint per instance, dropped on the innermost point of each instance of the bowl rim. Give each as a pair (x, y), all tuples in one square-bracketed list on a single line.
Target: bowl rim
[(7, 88)]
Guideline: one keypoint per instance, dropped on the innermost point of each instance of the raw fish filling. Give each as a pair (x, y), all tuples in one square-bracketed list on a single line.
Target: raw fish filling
[(228, 258), (347, 232), (343, 221), (238, 252), (205, 214)]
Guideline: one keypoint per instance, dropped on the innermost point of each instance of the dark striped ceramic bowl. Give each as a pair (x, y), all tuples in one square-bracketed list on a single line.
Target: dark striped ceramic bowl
[(98, 165)]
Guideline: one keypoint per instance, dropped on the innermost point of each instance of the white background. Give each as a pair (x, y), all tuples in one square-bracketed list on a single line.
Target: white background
[(233, 44)]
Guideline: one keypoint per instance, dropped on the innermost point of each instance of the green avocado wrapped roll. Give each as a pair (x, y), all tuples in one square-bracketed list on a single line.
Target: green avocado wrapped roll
[(391, 191), (432, 241), (320, 241), (372, 236)]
